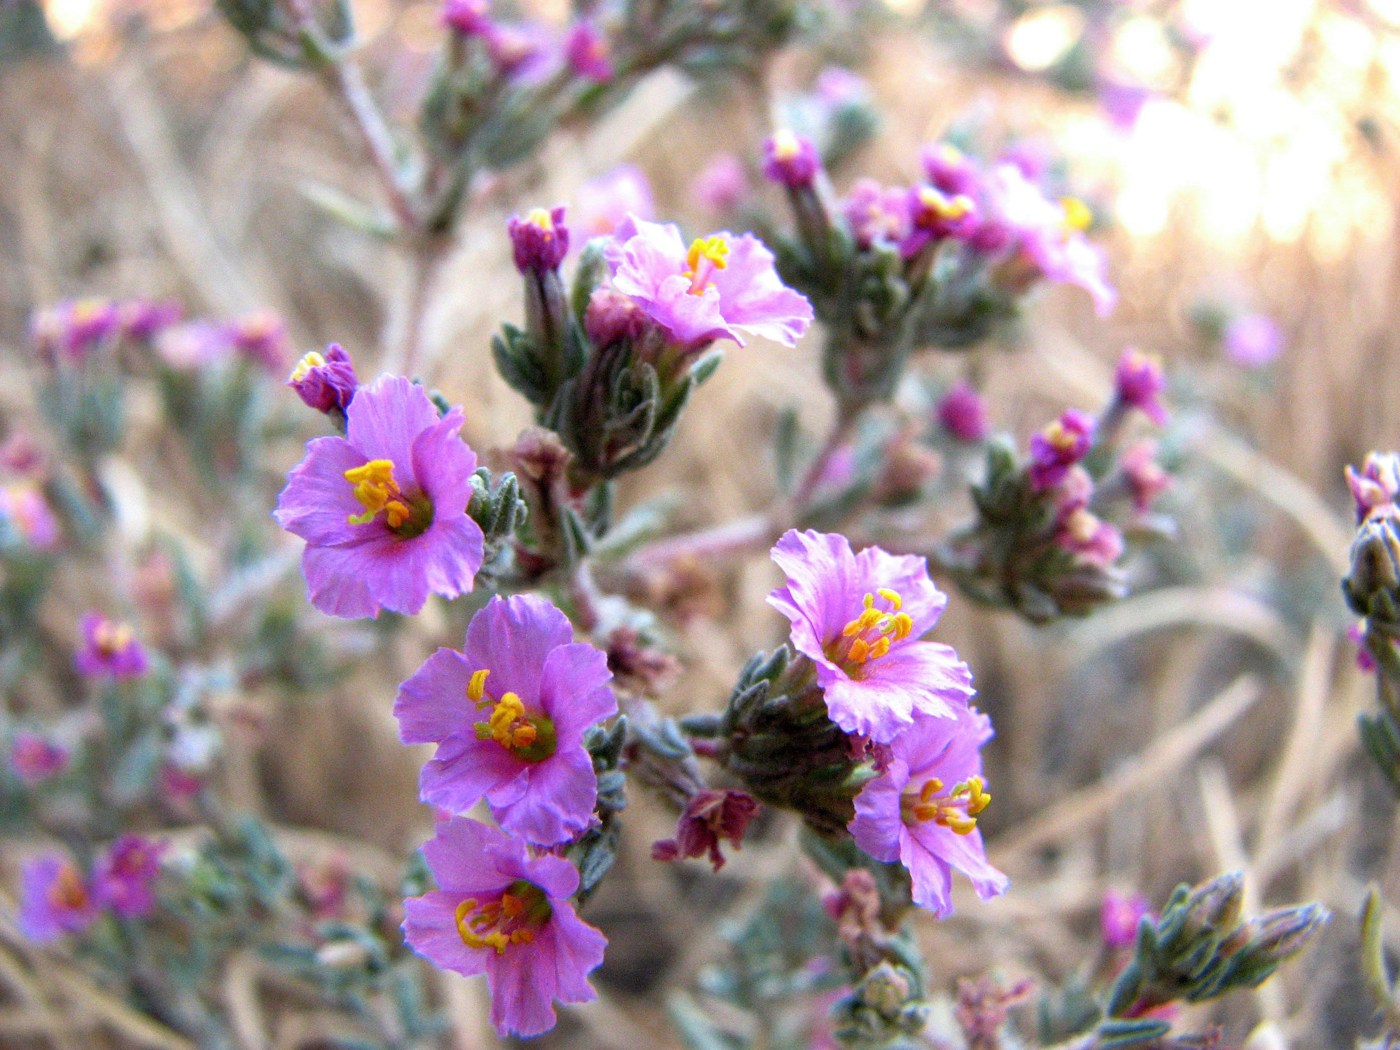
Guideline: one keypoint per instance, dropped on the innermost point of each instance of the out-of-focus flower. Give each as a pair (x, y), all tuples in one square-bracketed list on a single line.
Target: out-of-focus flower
[(262, 337), (859, 618), (501, 913), (790, 160), (1119, 917), (586, 50), (837, 87), (71, 330), (604, 202), (124, 877), (722, 184), (1138, 383), (110, 649), (325, 382), (721, 287), (143, 319), (963, 414), (194, 345), (1145, 477), (922, 810), (875, 214), (383, 509), (1123, 103), (1376, 485), (55, 899), (24, 509), (468, 17), (508, 715), (1252, 340), (35, 758), (524, 52), (709, 816), (539, 241), (950, 169), (1058, 447), (1089, 538)]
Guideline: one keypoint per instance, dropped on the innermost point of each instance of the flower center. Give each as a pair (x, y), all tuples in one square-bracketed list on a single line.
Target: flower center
[(1077, 215), (786, 145), (870, 635), (512, 918), (528, 739), (313, 359), (110, 638), (376, 489), (706, 255), (1060, 437), (956, 810), (68, 891), (938, 209)]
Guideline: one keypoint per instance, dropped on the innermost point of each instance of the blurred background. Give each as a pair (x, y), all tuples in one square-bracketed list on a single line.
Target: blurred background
[(1241, 162)]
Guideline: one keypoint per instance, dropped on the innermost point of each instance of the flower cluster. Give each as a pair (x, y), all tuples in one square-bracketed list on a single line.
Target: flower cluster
[(58, 899)]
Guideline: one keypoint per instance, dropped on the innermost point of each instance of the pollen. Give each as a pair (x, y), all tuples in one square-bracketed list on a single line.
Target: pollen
[(706, 255), (476, 687), (872, 633), (376, 489), (507, 724), (541, 218), (313, 359), (957, 810)]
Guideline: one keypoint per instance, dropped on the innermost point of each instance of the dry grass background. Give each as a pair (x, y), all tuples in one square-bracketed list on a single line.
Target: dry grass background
[(1204, 725)]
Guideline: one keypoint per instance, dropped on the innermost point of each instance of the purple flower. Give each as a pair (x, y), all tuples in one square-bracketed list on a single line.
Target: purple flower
[(143, 319), (1119, 917), (383, 509), (722, 286), (325, 382), (936, 216), (1252, 340), (922, 810), (508, 714), (498, 911), (586, 51), (838, 88), (125, 876), (1058, 447), (24, 509), (194, 345), (73, 329), (949, 169), (790, 160), (110, 649), (262, 338), (721, 185), (709, 816), (467, 17), (54, 899), (1089, 538), (1123, 102), (1145, 477), (963, 413), (1138, 383), (604, 202), (876, 215), (35, 758), (539, 241), (1377, 484), (859, 618)]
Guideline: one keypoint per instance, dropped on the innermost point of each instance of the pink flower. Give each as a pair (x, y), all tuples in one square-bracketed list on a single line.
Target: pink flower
[(922, 810), (383, 509), (325, 382), (604, 202), (1376, 484), (1089, 538), (24, 509), (1138, 383), (586, 51), (262, 338), (950, 169), (1058, 447), (508, 715), (790, 160), (1253, 340), (721, 287), (35, 758), (1145, 477), (55, 899), (74, 329), (499, 912), (1119, 917), (876, 215), (709, 816), (125, 876), (110, 649), (721, 185), (963, 413), (935, 216), (859, 618)]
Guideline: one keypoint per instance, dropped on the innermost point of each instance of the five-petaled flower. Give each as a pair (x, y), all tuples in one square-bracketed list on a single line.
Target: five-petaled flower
[(55, 899), (859, 618), (383, 509), (721, 287), (110, 650), (508, 714), (922, 810), (498, 911)]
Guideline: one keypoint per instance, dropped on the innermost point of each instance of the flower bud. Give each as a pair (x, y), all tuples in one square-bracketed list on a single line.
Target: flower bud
[(790, 160), (963, 413), (539, 241), (1372, 585), (325, 382)]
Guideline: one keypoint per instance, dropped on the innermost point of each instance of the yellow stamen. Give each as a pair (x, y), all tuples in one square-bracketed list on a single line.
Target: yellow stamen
[(1060, 436), (786, 145), (1082, 525), (541, 218), (377, 490), (310, 360), (706, 255), (875, 629), (957, 810), (111, 638), (507, 724), (494, 924), (476, 687), (940, 206), (1078, 216)]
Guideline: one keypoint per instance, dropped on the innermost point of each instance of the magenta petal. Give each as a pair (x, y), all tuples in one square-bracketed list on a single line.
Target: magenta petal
[(430, 928), (868, 707), (932, 878), (443, 465), (318, 500), (432, 705), (558, 802), (573, 689), (933, 677), (877, 826), (465, 769), (578, 949), (755, 298), (966, 853), (385, 417), (522, 989), (555, 875), (496, 858), (335, 583), (512, 637)]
